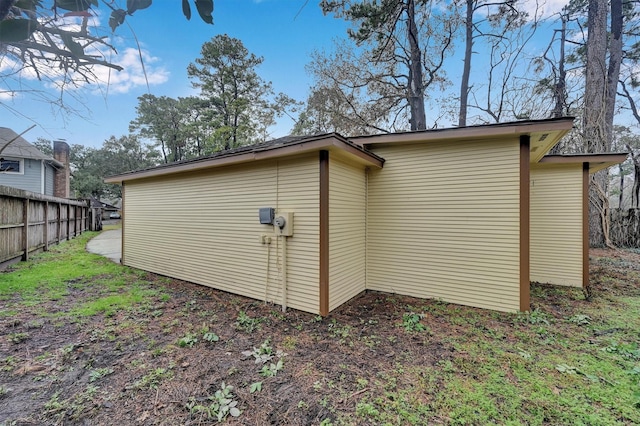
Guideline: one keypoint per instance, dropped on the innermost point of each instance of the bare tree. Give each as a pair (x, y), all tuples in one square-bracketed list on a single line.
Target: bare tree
[(498, 23), (410, 37), (352, 95), (505, 92)]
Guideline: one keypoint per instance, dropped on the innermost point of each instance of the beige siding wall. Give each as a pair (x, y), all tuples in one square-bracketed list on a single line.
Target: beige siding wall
[(203, 227), (347, 213), (556, 224), (443, 222)]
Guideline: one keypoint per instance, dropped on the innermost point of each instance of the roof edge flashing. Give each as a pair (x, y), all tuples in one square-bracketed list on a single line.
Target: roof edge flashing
[(596, 162), (329, 141), (514, 128)]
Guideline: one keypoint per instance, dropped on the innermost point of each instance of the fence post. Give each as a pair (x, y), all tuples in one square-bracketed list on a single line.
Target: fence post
[(59, 227), (46, 226), (68, 222), (25, 229)]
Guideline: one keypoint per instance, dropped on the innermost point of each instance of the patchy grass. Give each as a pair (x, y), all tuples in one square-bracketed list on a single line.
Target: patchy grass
[(87, 341), (112, 226), (49, 276)]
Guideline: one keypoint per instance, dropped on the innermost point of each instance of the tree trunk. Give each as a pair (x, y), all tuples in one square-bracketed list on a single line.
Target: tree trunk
[(621, 195), (594, 122), (560, 88), (466, 71), (418, 118), (613, 71), (635, 191)]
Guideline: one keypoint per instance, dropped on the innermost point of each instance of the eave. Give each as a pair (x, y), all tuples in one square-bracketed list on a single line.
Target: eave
[(330, 142), (544, 134), (596, 162)]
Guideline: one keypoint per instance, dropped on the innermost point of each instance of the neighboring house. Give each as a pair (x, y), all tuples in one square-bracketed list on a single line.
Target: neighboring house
[(110, 208), (106, 208), (24, 166), (467, 215)]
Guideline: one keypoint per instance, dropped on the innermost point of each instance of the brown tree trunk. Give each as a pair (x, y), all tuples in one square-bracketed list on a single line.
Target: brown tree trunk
[(466, 71), (418, 118), (560, 88), (594, 122), (621, 195), (613, 71)]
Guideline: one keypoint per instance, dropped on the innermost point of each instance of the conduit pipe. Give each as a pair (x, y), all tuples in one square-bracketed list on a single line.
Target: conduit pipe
[(284, 273), (267, 242)]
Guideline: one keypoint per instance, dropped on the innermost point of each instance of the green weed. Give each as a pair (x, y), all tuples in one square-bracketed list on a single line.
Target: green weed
[(246, 323), (411, 322), (188, 340), (99, 373), (18, 337), (153, 378), (222, 405), (272, 369)]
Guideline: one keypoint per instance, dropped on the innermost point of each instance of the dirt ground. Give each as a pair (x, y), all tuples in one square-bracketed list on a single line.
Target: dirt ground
[(131, 367)]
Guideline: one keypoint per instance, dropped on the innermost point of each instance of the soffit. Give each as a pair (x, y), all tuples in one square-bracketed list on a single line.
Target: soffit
[(596, 162), (544, 134)]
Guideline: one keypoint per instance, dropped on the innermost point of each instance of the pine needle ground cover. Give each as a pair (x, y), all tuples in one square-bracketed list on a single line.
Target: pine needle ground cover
[(87, 341)]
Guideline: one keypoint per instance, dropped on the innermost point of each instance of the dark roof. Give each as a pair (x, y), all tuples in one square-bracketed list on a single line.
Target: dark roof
[(283, 142), (101, 204), (20, 148)]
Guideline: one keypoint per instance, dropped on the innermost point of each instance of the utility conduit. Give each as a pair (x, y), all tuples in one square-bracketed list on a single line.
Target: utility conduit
[(267, 241), (284, 273)]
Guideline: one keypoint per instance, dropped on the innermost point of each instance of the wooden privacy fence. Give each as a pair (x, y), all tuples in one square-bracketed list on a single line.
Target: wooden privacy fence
[(30, 222), (625, 227)]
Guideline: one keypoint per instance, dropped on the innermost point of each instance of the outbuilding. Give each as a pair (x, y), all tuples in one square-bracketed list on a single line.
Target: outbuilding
[(467, 215)]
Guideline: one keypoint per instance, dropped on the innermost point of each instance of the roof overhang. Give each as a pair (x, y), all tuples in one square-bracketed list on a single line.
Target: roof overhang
[(596, 162), (331, 142), (544, 134)]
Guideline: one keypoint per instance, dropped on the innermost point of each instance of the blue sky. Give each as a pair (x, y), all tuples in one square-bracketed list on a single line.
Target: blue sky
[(284, 32)]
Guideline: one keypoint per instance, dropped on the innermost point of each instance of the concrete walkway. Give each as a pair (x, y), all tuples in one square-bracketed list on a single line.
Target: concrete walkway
[(107, 244)]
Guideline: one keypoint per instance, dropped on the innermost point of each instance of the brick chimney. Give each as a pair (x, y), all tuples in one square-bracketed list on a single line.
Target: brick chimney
[(61, 186)]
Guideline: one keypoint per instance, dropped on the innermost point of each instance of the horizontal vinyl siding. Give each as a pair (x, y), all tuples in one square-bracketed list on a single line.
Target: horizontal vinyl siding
[(443, 222), (556, 224), (29, 180), (203, 227), (347, 228), (298, 192)]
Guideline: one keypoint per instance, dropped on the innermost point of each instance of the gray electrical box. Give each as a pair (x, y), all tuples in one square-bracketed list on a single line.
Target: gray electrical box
[(266, 215)]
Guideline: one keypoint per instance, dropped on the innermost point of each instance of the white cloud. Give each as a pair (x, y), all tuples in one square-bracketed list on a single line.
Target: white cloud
[(543, 8), (93, 78), (7, 95), (133, 73)]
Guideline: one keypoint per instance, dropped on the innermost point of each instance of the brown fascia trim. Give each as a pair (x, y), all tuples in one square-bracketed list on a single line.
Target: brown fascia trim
[(326, 142), (324, 233), (480, 131), (595, 162), (585, 225), (525, 204)]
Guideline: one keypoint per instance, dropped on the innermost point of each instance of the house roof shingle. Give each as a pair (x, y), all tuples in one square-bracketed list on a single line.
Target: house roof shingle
[(278, 147), (20, 148)]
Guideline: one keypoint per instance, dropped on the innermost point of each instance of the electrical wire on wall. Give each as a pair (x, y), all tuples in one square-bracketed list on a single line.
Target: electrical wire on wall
[(278, 267), (266, 284), (284, 272)]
